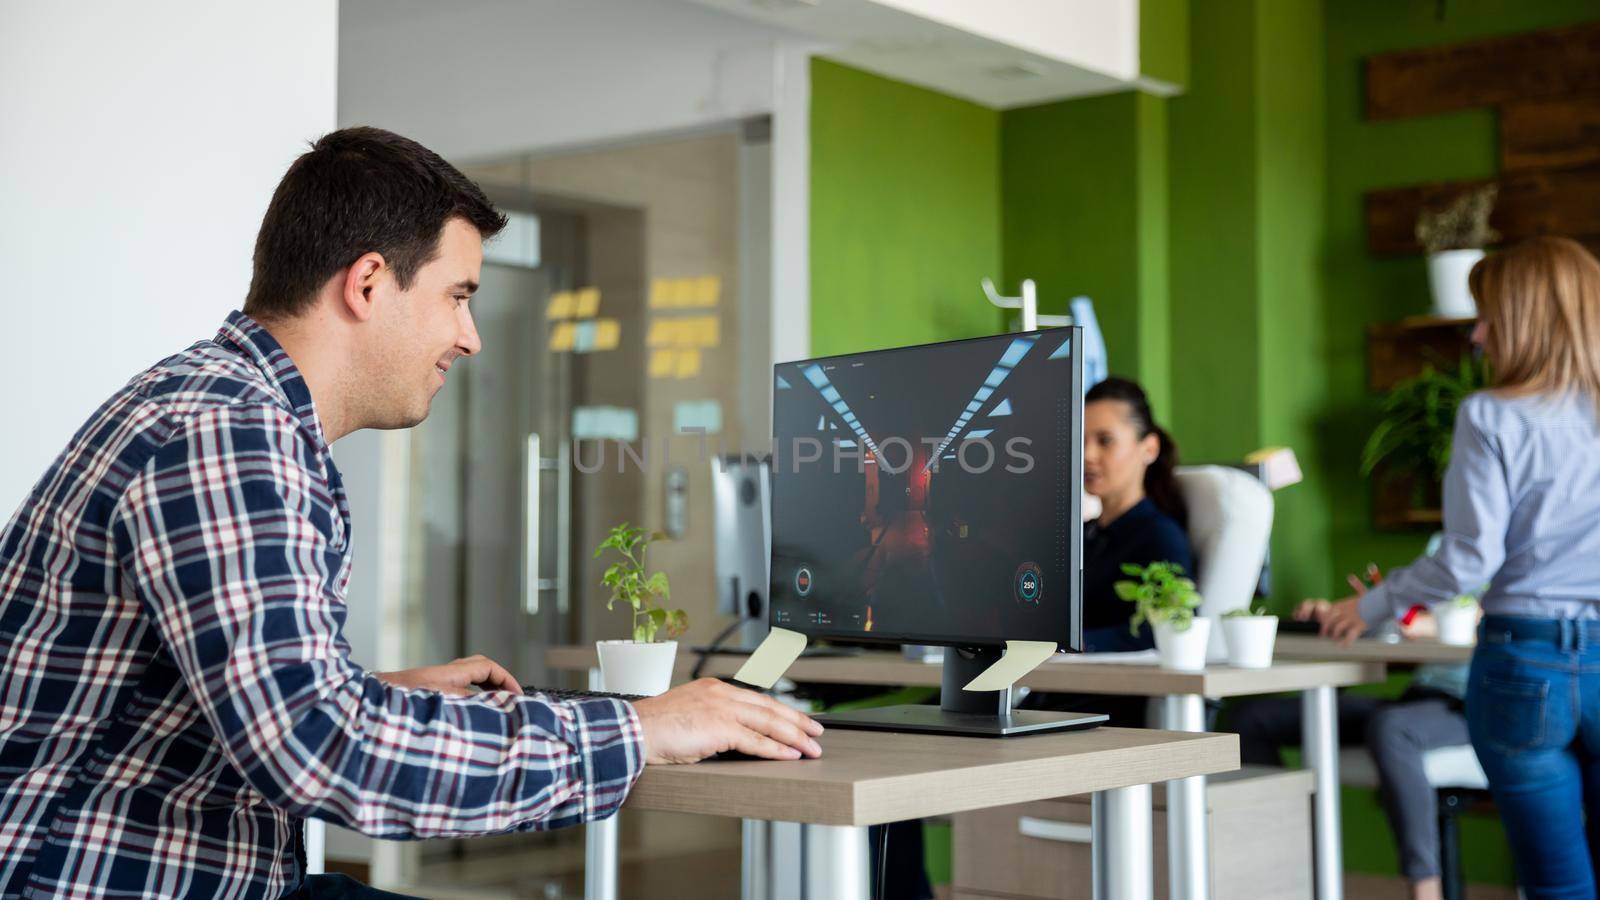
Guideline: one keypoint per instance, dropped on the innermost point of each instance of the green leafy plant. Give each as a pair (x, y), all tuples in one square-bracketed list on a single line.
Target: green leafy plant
[(1245, 612), (628, 583), (1461, 225), (1161, 594), (1419, 419), (1465, 601)]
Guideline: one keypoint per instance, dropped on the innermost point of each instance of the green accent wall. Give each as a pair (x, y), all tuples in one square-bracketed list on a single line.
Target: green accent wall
[(1083, 199), (905, 213), (1164, 41), (1219, 232)]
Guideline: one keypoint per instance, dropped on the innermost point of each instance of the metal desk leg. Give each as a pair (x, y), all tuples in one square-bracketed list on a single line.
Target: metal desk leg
[(1188, 838), (755, 873), (1123, 858), (1320, 741), (600, 843), (837, 865)]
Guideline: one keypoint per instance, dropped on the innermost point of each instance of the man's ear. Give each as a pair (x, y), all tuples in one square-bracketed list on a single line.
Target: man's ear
[(360, 283)]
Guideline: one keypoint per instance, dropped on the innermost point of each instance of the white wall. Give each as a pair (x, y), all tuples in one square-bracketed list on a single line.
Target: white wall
[(139, 144)]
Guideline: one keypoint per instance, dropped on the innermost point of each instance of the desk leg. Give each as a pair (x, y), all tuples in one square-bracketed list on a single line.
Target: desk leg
[(755, 873), (1320, 741), (600, 843), (1122, 854), (837, 865), (1188, 838)]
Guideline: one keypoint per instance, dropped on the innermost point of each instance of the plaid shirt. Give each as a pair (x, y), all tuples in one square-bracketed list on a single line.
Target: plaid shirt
[(175, 689)]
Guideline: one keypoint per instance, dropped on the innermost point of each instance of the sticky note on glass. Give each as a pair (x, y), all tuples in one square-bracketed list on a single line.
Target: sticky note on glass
[(561, 305), (607, 334), (599, 423), (700, 331), (688, 365), (700, 415), (586, 303), (663, 293), (660, 333), (705, 291), (583, 337), (1021, 657), (663, 363), (770, 660), (562, 336)]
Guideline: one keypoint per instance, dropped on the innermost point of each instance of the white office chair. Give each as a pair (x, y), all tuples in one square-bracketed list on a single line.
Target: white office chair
[(1230, 524), (1459, 781)]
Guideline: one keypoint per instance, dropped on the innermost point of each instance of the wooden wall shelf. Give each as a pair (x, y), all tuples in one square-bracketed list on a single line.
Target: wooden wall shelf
[(1399, 350)]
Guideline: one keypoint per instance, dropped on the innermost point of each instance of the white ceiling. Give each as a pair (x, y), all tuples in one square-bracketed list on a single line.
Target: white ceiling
[(1000, 53)]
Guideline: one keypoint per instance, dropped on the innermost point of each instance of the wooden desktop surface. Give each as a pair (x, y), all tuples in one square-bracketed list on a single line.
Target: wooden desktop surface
[(889, 668), (871, 777), (1414, 652)]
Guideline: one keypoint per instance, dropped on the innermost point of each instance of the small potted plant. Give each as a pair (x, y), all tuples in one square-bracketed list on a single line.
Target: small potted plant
[(1167, 600), (1250, 634), (642, 665), (1454, 237), (1413, 436), (1457, 621)]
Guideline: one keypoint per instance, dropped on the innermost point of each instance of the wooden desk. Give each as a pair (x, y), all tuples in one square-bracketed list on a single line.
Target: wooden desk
[(885, 668), (868, 778), (1414, 652), (1183, 709)]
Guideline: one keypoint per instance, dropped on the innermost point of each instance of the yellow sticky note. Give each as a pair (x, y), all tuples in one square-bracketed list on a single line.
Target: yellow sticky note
[(607, 333), (660, 334), (773, 658), (560, 307), (586, 303), (1021, 657), (707, 290), (688, 364), (660, 293), (563, 336), (662, 362), (702, 331)]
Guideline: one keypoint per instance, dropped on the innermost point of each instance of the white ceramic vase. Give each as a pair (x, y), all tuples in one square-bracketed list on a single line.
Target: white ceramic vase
[(636, 667), (1250, 640), (1458, 625), (1447, 276), (1184, 651)]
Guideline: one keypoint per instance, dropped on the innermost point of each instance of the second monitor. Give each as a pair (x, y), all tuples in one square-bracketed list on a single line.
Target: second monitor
[(932, 495)]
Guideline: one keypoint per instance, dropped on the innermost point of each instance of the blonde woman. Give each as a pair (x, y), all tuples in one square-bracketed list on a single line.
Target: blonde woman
[(1522, 515)]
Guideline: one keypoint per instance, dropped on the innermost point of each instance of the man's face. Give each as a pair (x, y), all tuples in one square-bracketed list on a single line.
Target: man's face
[(424, 330)]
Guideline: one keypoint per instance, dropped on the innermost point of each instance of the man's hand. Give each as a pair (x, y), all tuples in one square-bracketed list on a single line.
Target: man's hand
[(705, 717), (458, 679)]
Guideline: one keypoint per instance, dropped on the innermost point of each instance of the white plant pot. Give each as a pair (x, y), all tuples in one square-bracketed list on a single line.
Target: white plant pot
[(1250, 640), (635, 667), (1447, 275), (1458, 625), (1184, 650)]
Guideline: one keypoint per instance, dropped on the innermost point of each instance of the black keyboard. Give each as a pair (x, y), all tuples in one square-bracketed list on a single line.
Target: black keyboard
[(565, 694)]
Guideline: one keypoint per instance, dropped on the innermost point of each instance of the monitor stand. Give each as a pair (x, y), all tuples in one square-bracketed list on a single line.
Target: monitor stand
[(975, 713)]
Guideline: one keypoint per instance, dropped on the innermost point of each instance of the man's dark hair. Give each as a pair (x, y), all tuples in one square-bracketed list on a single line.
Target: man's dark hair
[(358, 190)]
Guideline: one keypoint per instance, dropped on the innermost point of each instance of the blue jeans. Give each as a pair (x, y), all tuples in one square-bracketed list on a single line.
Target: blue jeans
[(1533, 709)]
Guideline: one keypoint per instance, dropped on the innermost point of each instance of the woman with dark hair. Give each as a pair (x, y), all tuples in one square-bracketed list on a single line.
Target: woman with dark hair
[(1128, 465)]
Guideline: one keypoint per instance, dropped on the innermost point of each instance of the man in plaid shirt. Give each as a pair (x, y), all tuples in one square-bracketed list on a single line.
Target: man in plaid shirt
[(176, 693)]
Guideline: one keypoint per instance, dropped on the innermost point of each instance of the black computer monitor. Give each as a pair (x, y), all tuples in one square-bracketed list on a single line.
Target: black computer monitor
[(932, 495)]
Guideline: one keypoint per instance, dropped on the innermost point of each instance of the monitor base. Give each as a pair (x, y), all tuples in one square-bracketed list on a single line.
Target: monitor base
[(927, 719)]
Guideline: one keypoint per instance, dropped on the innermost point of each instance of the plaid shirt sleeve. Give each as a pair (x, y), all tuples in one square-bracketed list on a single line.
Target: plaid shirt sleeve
[(232, 540)]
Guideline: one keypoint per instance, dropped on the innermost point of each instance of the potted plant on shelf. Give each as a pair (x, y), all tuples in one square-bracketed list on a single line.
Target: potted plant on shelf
[(642, 665), (1250, 635), (1418, 419), (1167, 600), (1454, 237)]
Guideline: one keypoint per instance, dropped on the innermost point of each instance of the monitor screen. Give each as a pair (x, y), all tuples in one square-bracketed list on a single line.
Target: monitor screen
[(931, 494)]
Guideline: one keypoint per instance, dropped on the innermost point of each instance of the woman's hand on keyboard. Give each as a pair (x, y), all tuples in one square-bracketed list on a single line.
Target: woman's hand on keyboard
[(458, 679), (706, 717)]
